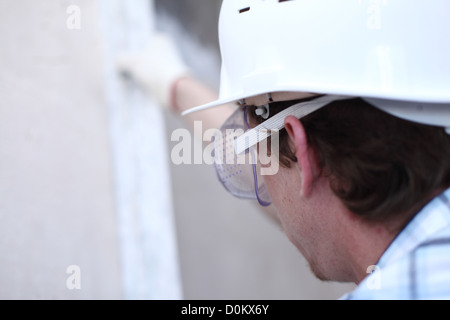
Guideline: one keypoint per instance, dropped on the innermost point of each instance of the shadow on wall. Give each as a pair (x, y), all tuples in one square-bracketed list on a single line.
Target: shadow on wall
[(228, 249)]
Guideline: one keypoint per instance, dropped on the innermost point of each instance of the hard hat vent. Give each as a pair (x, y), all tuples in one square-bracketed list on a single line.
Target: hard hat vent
[(244, 10), (247, 9)]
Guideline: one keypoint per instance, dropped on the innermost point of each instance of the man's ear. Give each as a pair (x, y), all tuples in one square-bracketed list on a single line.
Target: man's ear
[(306, 161)]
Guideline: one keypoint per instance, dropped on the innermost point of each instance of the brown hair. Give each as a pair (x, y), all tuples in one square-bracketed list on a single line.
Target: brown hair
[(380, 166)]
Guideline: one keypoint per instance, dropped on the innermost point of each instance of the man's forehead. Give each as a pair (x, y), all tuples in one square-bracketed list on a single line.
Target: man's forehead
[(264, 99)]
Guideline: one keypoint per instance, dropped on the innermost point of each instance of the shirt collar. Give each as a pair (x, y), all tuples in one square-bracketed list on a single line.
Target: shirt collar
[(434, 217)]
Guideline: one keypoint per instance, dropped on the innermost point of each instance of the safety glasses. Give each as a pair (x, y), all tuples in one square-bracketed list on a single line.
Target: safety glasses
[(239, 151), (240, 173)]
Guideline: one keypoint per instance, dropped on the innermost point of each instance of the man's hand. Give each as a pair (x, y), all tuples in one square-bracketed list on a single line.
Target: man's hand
[(156, 68)]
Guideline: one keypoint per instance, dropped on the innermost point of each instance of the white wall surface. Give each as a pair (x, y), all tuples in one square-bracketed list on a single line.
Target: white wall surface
[(56, 186), (85, 199)]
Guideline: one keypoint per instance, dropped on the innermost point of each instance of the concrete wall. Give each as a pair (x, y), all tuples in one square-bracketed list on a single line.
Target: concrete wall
[(85, 197), (56, 186)]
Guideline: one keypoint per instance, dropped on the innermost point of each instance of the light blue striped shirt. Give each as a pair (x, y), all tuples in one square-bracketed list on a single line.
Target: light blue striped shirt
[(416, 266)]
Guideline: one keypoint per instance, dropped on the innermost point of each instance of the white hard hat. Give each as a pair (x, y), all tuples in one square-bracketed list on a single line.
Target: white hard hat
[(385, 51)]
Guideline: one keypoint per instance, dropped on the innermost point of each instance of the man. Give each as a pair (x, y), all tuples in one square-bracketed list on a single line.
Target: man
[(363, 108)]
